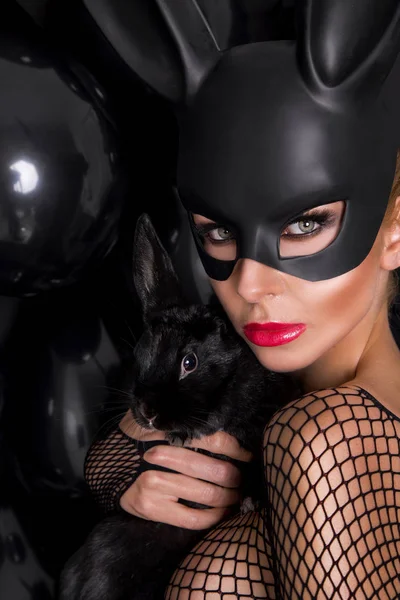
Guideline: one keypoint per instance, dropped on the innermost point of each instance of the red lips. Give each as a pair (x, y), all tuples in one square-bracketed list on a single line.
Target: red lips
[(273, 334)]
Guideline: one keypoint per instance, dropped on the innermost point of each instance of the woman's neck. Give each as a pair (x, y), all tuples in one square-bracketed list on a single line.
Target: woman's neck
[(364, 354)]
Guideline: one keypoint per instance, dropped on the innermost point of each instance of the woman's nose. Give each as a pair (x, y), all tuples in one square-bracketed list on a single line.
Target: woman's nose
[(256, 280)]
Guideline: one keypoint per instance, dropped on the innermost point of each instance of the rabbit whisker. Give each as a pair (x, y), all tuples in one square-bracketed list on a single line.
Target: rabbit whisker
[(102, 411), (130, 331), (116, 390), (131, 428), (128, 343), (107, 403), (110, 423), (202, 411), (197, 420)]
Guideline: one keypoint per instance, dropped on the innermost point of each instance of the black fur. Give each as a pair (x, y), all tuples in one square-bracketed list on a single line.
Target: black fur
[(229, 390), (126, 558)]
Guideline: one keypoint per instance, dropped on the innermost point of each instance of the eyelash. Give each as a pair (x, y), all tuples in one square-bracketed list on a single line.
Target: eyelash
[(324, 219), (204, 230)]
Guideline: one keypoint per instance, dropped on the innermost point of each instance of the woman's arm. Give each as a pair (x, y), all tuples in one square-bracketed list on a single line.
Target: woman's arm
[(328, 509)]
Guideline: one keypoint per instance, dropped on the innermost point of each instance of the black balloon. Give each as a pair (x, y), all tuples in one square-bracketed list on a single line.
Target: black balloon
[(61, 369), (60, 362), (61, 177), (106, 37)]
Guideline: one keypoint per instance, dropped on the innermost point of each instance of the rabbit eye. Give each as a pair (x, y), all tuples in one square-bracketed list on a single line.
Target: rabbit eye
[(188, 365)]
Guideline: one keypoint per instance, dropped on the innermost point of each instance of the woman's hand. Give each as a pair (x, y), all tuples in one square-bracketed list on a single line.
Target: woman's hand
[(199, 478)]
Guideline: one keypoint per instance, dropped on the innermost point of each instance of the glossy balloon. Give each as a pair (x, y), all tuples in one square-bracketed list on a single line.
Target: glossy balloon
[(138, 34), (106, 37), (61, 184), (60, 362), (60, 367)]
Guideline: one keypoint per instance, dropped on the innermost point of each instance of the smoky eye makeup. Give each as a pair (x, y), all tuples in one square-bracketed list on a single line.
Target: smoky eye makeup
[(217, 239), (323, 218), (312, 231), (303, 235), (318, 217), (204, 229)]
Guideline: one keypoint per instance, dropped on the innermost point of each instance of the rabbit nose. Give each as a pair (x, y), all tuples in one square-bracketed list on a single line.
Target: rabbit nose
[(147, 413)]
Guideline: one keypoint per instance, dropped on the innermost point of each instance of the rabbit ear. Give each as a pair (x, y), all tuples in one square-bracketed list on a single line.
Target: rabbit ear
[(169, 44), (348, 43), (154, 276), (196, 43)]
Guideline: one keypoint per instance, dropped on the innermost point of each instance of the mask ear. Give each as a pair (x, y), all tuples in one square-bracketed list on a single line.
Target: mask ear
[(196, 44), (154, 276), (348, 45), (169, 44)]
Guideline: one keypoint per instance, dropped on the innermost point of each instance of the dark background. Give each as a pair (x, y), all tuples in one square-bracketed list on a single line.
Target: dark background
[(68, 312)]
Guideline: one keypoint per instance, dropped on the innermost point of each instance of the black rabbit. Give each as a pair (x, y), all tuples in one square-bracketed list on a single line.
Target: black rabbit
[(192, 376)]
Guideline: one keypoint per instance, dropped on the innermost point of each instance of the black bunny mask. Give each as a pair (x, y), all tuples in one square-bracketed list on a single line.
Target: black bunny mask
[(255, 153), (270, 130)]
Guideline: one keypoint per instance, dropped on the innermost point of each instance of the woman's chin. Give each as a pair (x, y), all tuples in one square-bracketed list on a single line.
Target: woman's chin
[(283, 359)]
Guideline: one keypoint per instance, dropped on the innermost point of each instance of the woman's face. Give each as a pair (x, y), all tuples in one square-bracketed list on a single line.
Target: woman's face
[(313, 317)]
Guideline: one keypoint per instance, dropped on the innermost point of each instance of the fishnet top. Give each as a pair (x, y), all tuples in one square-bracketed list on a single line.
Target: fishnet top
[(113, 463), (329, 528), (111, 466)]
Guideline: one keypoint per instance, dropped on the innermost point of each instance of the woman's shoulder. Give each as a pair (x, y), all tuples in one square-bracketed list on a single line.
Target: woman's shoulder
[(319, 404), (325, 418)]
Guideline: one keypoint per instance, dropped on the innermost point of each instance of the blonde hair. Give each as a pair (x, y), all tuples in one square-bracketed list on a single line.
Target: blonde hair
[(393, 281)]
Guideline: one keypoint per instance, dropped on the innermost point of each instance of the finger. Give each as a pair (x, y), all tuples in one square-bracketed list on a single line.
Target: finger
[(222, 443), (194, 518), (164, 510), (131, 428), (187, 488), (195, 465)]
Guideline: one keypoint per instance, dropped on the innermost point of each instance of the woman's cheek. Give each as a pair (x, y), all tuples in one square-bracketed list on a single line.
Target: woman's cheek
[(347, 298), (331, 309)]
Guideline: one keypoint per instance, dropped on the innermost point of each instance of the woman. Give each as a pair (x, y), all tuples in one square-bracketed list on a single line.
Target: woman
[(332, 461), (287, 158), (332, 458)]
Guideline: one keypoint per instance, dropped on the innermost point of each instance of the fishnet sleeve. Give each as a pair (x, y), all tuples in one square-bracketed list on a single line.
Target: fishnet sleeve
[(111, 466), (332, 472), (233, 561)]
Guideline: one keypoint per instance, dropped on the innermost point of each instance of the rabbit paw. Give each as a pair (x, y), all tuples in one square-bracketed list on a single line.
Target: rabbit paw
[(177, 439), (248, 505)]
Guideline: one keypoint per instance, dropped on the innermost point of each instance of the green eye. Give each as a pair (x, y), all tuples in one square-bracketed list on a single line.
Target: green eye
[(306, 226), (220, 234)]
